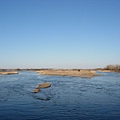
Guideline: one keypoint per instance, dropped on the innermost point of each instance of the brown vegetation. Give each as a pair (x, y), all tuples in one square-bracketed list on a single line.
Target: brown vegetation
[(114, 68), (74, 73)]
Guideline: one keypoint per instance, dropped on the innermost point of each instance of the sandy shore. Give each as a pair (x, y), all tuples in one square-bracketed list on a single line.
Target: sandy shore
[(9, 73), (105, 71), (74, 73)]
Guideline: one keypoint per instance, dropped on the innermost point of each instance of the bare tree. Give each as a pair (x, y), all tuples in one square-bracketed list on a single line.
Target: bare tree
[(113, 67)]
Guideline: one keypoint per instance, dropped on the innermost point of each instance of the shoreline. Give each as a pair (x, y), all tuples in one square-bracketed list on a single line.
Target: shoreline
[(105, 71)]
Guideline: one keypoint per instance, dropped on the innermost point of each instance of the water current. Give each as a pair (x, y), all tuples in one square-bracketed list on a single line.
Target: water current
[(69, 98)]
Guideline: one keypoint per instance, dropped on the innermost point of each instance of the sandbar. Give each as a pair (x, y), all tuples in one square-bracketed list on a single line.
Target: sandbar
[(9, 73), (69, 72)]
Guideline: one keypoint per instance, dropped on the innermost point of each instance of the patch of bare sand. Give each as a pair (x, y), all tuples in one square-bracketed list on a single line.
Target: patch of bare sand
[(105, 71), (40, 86), (9, 73)]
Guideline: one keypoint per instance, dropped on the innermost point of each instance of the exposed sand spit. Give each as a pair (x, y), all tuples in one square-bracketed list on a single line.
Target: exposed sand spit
[(9, 73), (44, 85), (40, 86), (105, 71), (36, 90), (74, 73)]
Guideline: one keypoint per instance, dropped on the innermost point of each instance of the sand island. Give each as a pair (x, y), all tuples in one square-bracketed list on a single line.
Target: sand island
[(69, 72), (8, 72)]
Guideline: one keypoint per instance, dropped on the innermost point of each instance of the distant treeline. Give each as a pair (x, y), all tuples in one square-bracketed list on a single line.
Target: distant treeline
[(18, 69), (113, 68), (6, 70)]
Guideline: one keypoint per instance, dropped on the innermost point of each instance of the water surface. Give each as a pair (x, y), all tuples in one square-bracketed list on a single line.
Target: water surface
[(68, 98)]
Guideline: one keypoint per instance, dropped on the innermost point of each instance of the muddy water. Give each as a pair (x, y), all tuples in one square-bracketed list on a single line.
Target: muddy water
[(68, 98)]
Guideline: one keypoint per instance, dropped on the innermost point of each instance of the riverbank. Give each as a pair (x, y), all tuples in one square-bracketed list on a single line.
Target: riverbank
[(73, 73), (105, 71), (9, 73)]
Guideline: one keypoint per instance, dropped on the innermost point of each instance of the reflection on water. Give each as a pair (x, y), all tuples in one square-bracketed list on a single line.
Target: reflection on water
[(67, 98)]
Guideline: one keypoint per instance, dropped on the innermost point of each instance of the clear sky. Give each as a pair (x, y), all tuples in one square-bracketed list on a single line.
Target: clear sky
[(59, 33)]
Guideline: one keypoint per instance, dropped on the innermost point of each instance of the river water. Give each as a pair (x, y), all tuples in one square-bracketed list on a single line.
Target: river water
[(69, 98)]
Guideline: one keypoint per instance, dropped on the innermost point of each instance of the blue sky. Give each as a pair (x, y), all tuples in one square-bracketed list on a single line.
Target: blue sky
[(59, 33)]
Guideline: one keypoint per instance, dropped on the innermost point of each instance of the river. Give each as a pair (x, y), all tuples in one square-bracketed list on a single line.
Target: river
[(69, 98)]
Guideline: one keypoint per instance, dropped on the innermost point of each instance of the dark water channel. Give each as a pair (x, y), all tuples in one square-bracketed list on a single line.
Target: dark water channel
[(69, 98)]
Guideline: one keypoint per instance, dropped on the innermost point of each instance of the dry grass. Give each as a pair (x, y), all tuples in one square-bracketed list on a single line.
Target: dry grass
[(74, 73)]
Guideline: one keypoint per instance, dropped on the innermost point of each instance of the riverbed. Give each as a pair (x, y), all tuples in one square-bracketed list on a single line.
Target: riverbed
[(68, 97)]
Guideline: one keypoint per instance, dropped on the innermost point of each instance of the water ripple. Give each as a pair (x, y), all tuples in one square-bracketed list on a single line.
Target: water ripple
[(67, 98)]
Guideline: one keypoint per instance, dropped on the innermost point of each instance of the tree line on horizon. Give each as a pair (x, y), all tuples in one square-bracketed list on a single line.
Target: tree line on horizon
[(113, 67)]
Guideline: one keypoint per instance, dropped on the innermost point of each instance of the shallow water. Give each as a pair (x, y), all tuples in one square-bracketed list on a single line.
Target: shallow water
[(68, 98)]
